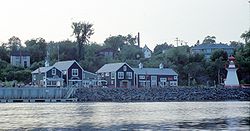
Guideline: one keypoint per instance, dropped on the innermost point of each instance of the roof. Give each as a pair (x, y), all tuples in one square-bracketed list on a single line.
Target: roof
[(90, 73), (110, 67), (64, 65), (20, 53), (42, 69), (155, 71), (213, 46), (145, 48)]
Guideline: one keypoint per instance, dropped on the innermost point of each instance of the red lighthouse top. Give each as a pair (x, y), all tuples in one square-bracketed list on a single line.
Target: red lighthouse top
[(231, 58)]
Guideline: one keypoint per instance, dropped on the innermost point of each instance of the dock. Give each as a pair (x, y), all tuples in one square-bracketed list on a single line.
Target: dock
[(37, 94)]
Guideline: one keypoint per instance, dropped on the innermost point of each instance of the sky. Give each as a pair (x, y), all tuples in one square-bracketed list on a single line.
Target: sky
[(158, 21)]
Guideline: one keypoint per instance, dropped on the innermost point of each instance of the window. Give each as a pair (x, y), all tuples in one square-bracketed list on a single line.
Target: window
[(74, 72), (53, 71), (112, 82), (163, 79), (175, 77), (141, 77), (120, 75), (112, 75), (124, 68), (107, 74), (34, 77), (129, 75), (153, 78)]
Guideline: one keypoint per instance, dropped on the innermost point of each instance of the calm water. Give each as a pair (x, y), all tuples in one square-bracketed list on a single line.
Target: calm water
[(126, 116)]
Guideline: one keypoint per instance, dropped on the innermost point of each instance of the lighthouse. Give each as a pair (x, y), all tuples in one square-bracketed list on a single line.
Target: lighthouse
[(232, 78)]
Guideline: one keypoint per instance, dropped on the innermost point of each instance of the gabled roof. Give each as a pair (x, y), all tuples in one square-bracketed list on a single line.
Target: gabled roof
[(145, 48), (64, 65), (213, 46), (111, 67), (90, 73), (42, 69), (154, 71)]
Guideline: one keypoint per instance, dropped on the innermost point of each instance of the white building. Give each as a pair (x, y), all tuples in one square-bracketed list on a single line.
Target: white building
[(20, 58), (147, 52)]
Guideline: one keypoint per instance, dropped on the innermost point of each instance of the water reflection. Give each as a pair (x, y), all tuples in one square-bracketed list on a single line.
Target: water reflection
[(126, 116)]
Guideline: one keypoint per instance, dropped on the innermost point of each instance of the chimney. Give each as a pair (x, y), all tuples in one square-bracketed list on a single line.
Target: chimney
[(161, 66), (138, 39), (140, 65)]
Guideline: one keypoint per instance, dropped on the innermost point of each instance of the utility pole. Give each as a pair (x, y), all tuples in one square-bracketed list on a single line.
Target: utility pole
[(177, 41)]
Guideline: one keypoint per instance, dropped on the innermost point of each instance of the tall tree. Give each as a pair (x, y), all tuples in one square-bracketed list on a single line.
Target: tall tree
[(82, 32), (162, 47), (117, 42), (209, 40), (14, 43), (246, 36), (37, 49)]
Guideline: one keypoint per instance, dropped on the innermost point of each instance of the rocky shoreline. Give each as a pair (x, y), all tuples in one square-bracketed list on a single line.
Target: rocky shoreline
[(162, 94)]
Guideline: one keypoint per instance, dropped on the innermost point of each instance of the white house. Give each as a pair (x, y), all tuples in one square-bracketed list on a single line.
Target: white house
[(147, 52), (20, 58)]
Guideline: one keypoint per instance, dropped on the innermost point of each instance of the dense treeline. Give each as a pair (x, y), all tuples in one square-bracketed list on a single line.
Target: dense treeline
[(193, 69)]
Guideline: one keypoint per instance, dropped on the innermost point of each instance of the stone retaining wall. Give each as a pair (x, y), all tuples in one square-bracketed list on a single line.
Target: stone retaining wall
[(163, 94)]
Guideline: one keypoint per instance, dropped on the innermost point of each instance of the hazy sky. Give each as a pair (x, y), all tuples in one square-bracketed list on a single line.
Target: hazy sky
[(158, 21)]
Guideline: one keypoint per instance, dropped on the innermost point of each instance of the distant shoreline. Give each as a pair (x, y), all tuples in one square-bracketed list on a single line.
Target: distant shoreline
[(169, 94)]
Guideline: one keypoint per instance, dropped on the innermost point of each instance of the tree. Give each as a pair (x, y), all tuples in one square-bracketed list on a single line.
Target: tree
[(82, 32), (4, 55), (209, 40), (130, 52), (161, 47), (246, 36), (117, 42), (37, 49), (14, 43), (219, 54), (243, 59)]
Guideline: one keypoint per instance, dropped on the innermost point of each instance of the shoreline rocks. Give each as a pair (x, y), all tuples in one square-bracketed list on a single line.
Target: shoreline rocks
[(162, 94)]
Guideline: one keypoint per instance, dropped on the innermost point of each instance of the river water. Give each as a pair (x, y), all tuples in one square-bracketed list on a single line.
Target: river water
[(126, 116)]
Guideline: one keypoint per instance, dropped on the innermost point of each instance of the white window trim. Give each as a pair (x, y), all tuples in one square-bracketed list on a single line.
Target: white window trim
[(142, 77), (175, 77), (129, 74), (120, 76), (112, 75), (73, 72), (107, 74), (53, 71)]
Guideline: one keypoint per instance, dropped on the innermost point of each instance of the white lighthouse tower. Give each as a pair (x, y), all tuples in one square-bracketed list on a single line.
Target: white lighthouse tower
[(232, 78)]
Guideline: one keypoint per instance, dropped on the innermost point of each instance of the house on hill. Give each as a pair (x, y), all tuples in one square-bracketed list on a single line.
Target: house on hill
[(47, 77), (146, 51), (107, 53), (117, 75), (208, 49), (20, 58), (155, 77)]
